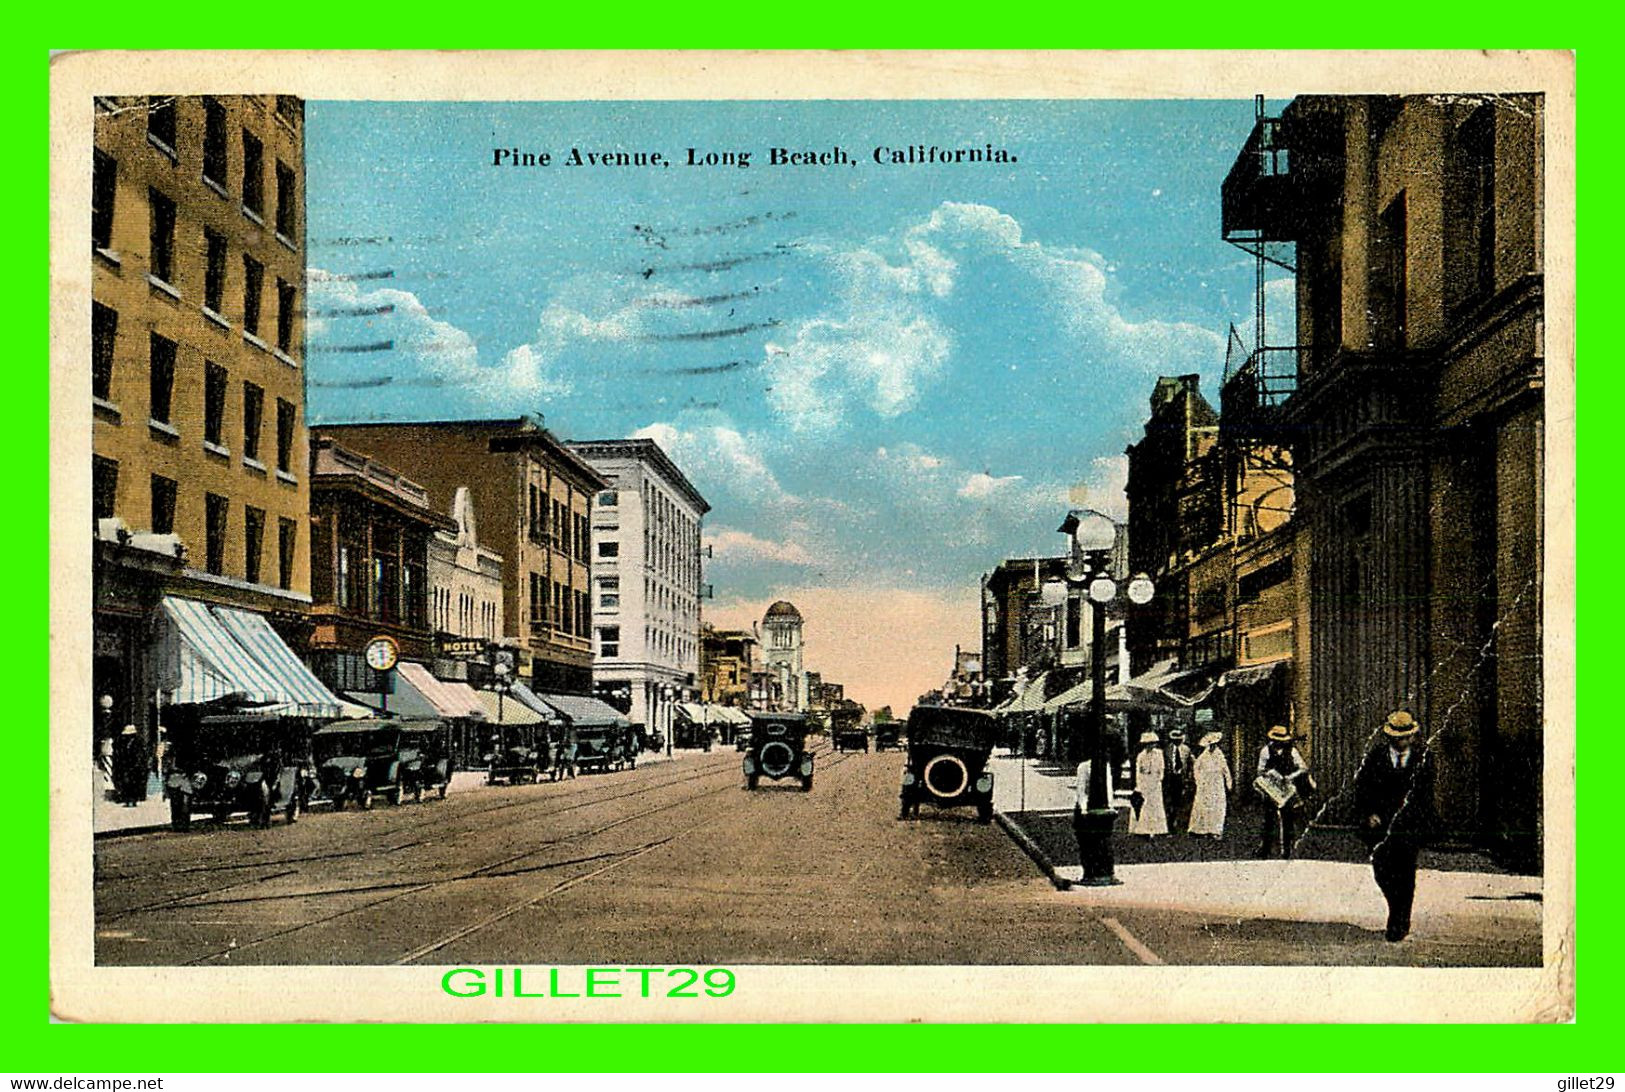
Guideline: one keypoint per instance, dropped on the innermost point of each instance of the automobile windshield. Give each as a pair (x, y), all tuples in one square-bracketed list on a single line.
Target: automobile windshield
[(960, 728)]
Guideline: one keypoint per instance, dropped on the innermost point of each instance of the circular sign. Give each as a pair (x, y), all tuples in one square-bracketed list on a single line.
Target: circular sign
[(382, 653)]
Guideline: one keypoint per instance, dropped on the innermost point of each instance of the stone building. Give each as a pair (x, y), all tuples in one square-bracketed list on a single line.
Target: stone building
[(782, 655), (727, 659), (1412, 401), (465, 581)]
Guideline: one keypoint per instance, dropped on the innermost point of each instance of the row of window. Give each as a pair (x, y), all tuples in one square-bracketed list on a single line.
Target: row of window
[(382, 573), (552, 521), (558, 607), (161, 353), (472, 618), (671, 540), (217, 517)]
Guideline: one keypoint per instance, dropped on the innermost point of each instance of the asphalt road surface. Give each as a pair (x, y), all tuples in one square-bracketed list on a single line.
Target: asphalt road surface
[(667, 863)]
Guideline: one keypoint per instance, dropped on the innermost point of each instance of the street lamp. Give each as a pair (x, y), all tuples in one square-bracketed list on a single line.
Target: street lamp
[(501, 671), (1093, 536), (669, 693)]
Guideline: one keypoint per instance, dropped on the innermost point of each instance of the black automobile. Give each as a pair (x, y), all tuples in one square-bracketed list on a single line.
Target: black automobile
[(851, 737), (948, 749), (604, 747), (515, 753), (889, 734), (356, 759), (226, 764), (777, 749), (425, 756)]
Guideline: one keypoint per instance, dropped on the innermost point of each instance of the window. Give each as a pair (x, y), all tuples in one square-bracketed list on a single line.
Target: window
[(415, 582), (284, 315), (352, 564), (253, 282), (284, 200), (1388, 276), (284, 436), (608, 498), (1253, 584), (609, 548), (214, 142), (609, 592), (609, 641), (215, 509), (253, 174), (104, 487), (162, 252), (214, 402), (253, 412), (1074, 621), (161, 121), (253, 542), (163, 505), (289, 108), (163, 378), (583, 614), (566, 608), (103, 196), (538, 602), (386, 574), (1478, 148), (214, 274), (103, 336), (287, 539)]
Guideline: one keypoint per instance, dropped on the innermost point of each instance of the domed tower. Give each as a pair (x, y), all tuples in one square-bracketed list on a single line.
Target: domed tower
[(781, 654)]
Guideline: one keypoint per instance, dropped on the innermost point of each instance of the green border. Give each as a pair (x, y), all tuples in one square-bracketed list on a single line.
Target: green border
[(30, 1044)]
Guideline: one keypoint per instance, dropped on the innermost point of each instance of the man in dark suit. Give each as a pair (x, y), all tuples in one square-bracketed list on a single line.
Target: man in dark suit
[(1393, 799)]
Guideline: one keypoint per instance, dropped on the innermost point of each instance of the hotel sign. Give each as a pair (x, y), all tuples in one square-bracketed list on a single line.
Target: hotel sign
[(462, 646)]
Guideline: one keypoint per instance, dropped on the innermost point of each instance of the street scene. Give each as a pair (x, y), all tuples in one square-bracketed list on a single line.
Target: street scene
[(922, 532)]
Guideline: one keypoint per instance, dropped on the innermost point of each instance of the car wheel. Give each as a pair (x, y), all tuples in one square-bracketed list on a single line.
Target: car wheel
[(984, 812), (417, 792), (290, 814), (750, 783), (180, 811), (365, 800), (806, 784), (394, 795), (262, 807), (443, 790)]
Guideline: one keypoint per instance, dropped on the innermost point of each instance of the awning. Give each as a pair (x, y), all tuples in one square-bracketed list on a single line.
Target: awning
[(305, 696), (1027, 700), (442, 697), (206, 654), (1252, 675), (583, 712), (404, 702), (526, 696), (505, 709), (1151, 692)]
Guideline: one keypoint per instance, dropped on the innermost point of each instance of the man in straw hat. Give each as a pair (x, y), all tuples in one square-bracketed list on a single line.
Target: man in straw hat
[(1283, 779), (1393, 801)]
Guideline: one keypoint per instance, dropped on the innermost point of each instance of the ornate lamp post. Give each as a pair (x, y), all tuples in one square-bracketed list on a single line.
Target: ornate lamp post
[(501, 671), (1093, 536), (669, 693)]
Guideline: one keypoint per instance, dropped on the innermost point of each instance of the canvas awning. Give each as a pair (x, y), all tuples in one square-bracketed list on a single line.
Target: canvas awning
[(506, 709), (1253, 674), (584, 712), (1030, 699), (443, 697), (525, 695), (1150, 692), (209, 654), (404, 701)]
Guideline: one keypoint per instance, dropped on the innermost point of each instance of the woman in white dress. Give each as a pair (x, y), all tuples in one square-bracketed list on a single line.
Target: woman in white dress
[(1213, 783), (1150, 818)]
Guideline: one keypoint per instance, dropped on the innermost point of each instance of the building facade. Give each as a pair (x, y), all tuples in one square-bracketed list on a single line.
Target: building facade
[(783, 655), (1412, 401), (369, 543), (727, 659), (1019, 628), (646, 589), (534, 496), (200, 466), (465, 582)]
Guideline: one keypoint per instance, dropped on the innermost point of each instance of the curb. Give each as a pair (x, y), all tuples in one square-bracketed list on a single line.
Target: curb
[(120, 832), (1031, 849)]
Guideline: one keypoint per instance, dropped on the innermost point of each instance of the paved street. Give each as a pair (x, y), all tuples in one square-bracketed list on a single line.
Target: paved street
[(670, 862)]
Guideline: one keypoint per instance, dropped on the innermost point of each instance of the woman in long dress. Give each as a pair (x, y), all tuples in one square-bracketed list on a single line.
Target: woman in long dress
[(1150, 818), (1213, 783)]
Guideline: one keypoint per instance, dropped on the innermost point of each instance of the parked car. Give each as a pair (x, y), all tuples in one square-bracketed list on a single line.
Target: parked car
[(425, 756), (889, 734), (357, 759), (777, 749), (948, 749), (851, 738), (230, 763), (515, 753), (604, 747)]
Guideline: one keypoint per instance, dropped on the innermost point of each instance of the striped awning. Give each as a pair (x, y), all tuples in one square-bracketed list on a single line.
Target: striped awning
[(584, 712), (445, 699), (506, 709), (526, 696), (1028, 700), (207, 654)]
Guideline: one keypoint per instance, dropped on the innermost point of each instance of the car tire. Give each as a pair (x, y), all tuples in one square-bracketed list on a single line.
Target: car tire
[(262, 807), (417, 792), (750, 783), (180, 811), (984, 811), (443, 785), (290, 814), (364, 801), (806, 784)]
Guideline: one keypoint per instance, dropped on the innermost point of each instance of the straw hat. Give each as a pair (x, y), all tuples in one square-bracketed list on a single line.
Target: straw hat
[(1281, 734), (1210, 739), (1400, 725), (1148, 737)]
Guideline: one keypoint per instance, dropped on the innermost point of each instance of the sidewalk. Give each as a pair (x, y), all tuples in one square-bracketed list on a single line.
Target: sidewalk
[(1328, 880), (111, 818)]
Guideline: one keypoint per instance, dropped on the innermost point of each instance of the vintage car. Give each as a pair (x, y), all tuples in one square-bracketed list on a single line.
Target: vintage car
[(777, 749), (948, 749), (889, 734), (425, 755), (356, 759), (230, 763), (850, 737), (515, 753), (604, 747)]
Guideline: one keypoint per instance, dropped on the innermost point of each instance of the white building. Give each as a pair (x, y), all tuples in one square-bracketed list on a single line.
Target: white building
[(782, 654), (646, 580), (465, 579)]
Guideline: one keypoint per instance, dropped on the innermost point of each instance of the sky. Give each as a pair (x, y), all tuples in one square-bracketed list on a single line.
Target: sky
[(884, 379)]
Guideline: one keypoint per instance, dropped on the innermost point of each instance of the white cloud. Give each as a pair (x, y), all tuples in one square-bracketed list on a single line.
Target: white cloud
[(983, 484), (721, 456), (1103, 489), (733, 545)]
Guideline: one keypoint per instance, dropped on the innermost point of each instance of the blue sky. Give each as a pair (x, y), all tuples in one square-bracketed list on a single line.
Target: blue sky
[(885, 379)]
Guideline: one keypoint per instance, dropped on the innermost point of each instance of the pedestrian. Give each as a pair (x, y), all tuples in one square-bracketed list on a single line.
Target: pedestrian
[(1177, 779), (1150, 818), (1213, 782), (1081, 804), (1282, 783), (130, 767), (104, 766), (1393, 796)]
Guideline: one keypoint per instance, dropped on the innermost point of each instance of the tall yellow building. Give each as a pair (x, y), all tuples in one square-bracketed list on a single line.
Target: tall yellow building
[(201, 463)]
